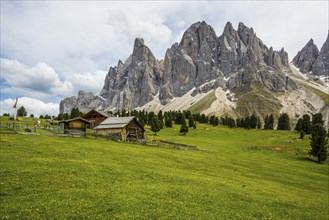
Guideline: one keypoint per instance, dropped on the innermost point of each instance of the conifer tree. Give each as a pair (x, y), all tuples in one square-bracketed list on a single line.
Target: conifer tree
[(155, 125), (306, 125), (183, 128), (271, 122), (179, 118), (253, 121), (150, 117), (191, 121), (299, 124), (319, 142), (317, 119), (283, 122)]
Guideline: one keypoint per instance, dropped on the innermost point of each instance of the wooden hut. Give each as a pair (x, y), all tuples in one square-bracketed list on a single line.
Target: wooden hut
[(94, 117), (75, 126), (125, 128)]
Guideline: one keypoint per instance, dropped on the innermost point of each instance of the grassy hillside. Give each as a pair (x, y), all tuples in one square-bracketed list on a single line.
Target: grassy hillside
[(244, 174), (204, 103), (323, 95), (254, 98)]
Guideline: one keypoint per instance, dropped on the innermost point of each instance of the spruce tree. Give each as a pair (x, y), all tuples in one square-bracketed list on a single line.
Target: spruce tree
[(317, 119), (319, 142), (169, 125), (183, 128), (216, 123), (179, 118), (150, 117), (283, 122), (306, 125), (75, 112), (271, 122), (253, 121), (155, 125), (191, 121), (299, 125)]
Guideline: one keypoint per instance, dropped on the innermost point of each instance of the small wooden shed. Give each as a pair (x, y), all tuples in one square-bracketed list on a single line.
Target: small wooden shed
[(75, 125), (125, 128), (95, 117)]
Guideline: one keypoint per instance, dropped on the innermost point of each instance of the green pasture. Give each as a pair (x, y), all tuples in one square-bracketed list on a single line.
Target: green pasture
[(244, 174)]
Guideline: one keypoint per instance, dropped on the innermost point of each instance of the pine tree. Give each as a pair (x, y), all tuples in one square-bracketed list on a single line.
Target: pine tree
[(283, 122), (212, 120), (191, 121), (183, 128), (271, 122), (247, 122), (306, 125), (299, 125), (253, 121), (179, 118), (168, 120), (319, 142), (150, 117), (216, 121), (155, 125), (75, 112), (317, 119)]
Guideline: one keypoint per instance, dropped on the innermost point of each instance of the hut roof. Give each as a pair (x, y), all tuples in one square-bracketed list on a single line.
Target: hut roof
[(116, 122), (94, 110), (77, 118)]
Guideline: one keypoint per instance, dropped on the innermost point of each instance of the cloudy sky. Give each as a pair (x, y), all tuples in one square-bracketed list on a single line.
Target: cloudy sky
[(53, 49)]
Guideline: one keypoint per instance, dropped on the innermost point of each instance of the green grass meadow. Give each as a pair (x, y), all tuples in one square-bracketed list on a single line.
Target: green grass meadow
[(244, 174)]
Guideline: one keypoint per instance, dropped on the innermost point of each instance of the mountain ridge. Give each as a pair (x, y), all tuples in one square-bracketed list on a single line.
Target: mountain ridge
[(202, 63)]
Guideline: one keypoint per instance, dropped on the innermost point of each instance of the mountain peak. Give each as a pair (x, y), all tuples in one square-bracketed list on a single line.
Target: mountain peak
[(305, 58), (139, 41), (228, 27)]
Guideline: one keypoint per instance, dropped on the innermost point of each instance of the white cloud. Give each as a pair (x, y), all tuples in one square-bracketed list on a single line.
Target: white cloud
[(42, 82), (32, 106)]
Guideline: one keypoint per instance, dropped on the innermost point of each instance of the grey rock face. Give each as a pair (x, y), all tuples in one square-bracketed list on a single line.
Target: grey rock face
[(193, 61), (67, 104), (305, 58), (134, 82), (243, 57), (321, 65), (85, 101)]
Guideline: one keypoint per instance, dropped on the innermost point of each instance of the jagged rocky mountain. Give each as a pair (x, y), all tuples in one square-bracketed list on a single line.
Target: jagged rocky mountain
[(234, 73), (311, 60)]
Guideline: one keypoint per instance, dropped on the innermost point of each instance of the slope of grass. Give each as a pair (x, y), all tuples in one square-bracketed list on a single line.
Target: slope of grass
[(255, 98), (323, 95), (244, 174), (204, 103)]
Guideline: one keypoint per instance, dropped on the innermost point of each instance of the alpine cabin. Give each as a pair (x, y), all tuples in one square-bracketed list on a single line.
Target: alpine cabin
[(124, 128)]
